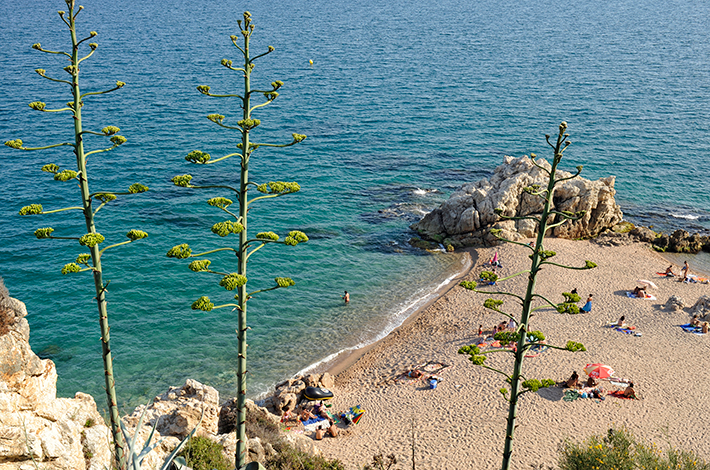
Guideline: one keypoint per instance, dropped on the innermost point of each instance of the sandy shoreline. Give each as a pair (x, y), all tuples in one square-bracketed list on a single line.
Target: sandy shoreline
[(461, 424)]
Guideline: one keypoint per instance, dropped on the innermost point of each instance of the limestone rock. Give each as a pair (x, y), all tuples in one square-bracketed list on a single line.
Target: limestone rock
[(36, 427), (178, 410), (675, 303), (468, 216), (644, 234), (702, 308)]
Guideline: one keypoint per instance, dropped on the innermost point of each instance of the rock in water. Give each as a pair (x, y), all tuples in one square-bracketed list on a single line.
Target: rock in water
[(468, 216)]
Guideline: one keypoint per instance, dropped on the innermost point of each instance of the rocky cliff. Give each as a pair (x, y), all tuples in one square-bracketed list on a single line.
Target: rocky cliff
[(468, 216), (36, 427)]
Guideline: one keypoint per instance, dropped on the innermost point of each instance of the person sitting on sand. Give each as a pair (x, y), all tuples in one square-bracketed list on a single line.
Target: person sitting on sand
[(332, 429), (629, 391), (306, 414), (695, 321), (669, 271), (705, 327), (415, 373), (591, 382), (502, 326), (620, 323), (573, 381)]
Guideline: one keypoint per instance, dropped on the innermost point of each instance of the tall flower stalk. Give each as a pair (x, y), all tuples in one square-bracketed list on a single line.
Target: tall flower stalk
[(521, 337), (236, 224), (92, 239)]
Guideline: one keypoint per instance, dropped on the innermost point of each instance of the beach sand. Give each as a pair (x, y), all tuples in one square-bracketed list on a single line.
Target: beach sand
[(461, 423)]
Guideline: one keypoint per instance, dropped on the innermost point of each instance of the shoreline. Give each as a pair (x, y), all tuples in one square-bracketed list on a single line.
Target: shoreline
[(466, 415), (349, 358)]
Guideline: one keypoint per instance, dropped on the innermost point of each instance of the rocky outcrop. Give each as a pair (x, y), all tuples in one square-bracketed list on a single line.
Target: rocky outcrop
[(36, 427), (468, 216), (681, 241), (675, 303), (288, 395), (702, 308)]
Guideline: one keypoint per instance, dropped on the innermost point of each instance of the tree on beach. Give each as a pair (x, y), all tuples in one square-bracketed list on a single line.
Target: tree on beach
[(523, 339), (237, 223), (92, 238)]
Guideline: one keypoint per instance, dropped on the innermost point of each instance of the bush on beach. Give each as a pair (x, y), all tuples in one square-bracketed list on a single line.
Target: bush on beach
[(620, 450)]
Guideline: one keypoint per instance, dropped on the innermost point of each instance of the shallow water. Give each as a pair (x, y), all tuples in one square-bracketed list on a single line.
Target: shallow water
[(403, 104)]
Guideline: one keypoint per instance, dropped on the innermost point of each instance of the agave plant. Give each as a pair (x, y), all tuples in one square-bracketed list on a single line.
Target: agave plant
[(236, 224), (91, 201)]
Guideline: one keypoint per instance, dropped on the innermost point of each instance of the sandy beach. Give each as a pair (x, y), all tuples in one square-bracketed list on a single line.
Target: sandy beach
[(461, 423)]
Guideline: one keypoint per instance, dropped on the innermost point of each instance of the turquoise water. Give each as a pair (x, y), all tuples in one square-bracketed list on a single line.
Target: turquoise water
[(402, 104)]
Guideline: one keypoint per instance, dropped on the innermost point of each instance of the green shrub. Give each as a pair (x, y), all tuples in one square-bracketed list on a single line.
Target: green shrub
[(289, 458), (619, 450), (204, 454)]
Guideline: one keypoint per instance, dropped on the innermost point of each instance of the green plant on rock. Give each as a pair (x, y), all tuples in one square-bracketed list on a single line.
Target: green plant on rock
[(530, 301), (201, 453), (236, 224), (92, 239)]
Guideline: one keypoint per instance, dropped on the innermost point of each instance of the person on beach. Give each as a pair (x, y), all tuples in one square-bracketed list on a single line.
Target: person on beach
[(414, 373), (685, 270), (588, 306), (480, 330), (705, 327), (591, 382), (639, 292), (333, 429), (629, 391), (346, 297), (669, 271), (695, 321), (573, 381), (306, 414), (574, 291), (620, 323)]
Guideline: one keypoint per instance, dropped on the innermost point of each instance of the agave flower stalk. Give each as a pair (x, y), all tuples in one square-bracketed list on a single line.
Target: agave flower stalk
[(237, 222), (92, 239), (523, 339)]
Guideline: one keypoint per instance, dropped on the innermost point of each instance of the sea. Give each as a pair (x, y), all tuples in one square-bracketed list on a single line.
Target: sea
[(403, 103)]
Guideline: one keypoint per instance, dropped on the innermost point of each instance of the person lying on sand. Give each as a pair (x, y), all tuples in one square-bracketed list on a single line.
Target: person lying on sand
[(639, 292), (629, 391), (414, 373), (573, 381)]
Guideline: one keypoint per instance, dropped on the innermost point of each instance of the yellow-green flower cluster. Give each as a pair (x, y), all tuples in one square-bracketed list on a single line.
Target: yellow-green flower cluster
[(203, 303), (267, 236), (182, 180), (32, 209), (136, 188), (200, 265), (180, 251), (232, 281), (41, 233), (284, 281), (295, 237), (227, 227), (71, 268), (91, 239), (221, 202), (196, 156), (136, 234)]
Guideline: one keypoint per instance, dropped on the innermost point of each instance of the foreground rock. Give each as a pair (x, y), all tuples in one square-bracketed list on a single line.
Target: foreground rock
[(36, 427), (39, 430), (468, 216)]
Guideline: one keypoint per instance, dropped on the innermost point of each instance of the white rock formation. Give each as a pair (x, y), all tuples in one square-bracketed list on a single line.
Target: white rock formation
[(36, 427), (467, 217)]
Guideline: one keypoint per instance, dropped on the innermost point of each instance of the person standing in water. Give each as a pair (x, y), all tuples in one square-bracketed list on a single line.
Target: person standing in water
[(346, 297)]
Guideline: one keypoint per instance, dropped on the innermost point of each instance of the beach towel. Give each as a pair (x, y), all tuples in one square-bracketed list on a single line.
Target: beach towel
[(619, 394), (537, 349), (692, 329), (648, 296), (315, 423)]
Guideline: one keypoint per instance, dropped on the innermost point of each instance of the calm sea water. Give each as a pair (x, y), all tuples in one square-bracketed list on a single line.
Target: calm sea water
[(403, 103)]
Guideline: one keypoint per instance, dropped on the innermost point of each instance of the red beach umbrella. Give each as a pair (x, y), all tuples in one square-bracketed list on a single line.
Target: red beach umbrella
[(599, 371)]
